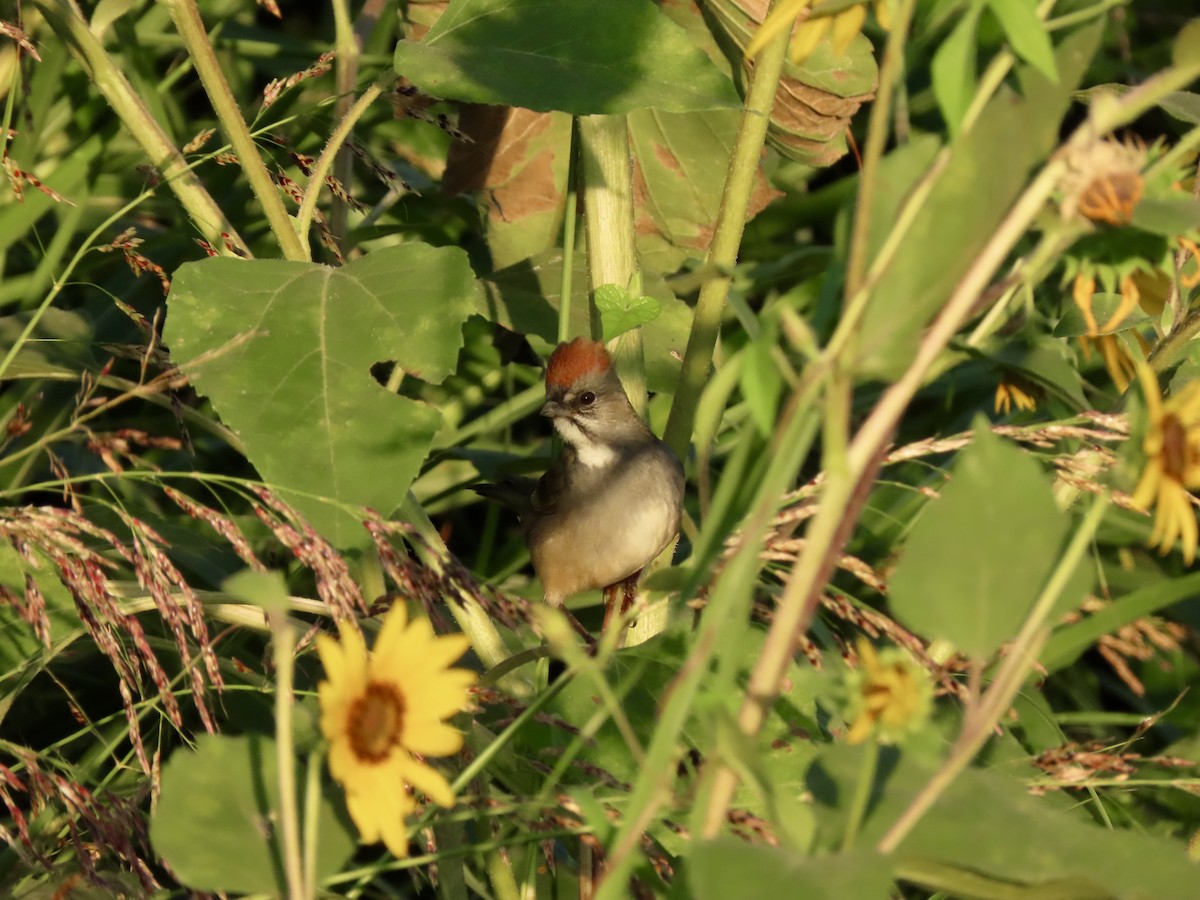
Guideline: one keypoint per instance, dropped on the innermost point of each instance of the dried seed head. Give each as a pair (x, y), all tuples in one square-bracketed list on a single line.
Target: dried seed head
[(1104, 182)]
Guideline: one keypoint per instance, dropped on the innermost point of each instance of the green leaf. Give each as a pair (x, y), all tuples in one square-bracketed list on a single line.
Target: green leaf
[(216, 822), (620, 311), (1044, 363), (762, 383), (728, 867), (265, 590), (1026, 33), (1167, 216), (581, 58), (681, 161), (1185, 52), (1072, 323), (976, 840), (986, 171), (979, 555), (1183, 105), (953, 69), (284, 350)]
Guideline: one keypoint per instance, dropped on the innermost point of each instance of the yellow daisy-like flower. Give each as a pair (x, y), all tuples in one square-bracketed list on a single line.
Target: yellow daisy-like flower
[(1172, 470), (889, 695), (383, 710)]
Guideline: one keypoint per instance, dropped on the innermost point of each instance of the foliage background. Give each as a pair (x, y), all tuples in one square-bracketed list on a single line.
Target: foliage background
[(173, 419)]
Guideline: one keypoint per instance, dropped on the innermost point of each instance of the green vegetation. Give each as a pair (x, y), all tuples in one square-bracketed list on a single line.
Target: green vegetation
[(913, 294)]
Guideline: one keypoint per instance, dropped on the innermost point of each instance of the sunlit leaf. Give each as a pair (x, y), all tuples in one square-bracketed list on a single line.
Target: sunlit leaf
[(284, 350), (580, 58)]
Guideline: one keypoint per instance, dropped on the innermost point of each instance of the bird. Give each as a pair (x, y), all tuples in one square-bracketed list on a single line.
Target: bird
[(611, 501)]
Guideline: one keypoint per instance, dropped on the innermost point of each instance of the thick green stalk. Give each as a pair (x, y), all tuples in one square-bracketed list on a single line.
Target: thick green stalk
[(607, 171), (195, 37), (65, 19), (727, 238)]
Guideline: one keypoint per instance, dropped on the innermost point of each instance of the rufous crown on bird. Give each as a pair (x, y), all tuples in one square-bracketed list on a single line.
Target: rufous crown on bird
[(571, 361)]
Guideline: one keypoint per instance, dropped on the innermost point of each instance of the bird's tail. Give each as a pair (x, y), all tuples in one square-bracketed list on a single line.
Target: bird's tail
[(514, 492)]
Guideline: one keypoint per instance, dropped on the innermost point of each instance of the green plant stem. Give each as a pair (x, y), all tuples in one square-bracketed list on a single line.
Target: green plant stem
[(324, 163), (312, 821), (980, 723), (346, 61), (191, 28), (727, 238), (811, 568), (606, 169), (862, 794), (68, 24), (283, 642), (891, 77)]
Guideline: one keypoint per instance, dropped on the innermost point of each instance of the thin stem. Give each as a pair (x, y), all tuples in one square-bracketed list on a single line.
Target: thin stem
[(727, 238), (312, 821), (283, 641), (862, 794), (891, 76), (64, 18), (324, 162), (191, 28)]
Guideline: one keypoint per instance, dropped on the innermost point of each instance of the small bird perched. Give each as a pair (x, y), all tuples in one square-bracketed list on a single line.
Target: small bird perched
[(612, 500)]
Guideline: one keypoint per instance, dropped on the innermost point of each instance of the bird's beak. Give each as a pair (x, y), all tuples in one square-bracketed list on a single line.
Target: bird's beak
[(555, 410)]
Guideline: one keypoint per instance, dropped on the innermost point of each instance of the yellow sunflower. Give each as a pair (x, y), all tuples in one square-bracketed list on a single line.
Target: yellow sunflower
[(1172, 469), (384, 710), (888, 696)]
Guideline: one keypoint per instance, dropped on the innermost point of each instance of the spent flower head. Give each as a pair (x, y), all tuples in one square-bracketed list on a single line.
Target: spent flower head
[(382, 711)]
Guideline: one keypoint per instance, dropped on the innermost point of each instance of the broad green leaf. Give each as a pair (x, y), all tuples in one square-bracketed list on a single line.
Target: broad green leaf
[(620, 311), (525, 298), (681, 162), (988, 837), (953, 69), (284, 350), (1168, 216), (1026, 33), (728, 867), (985, 172), (217, 819), (1072, 323), (899, 172), (979, 555), (581, 58)]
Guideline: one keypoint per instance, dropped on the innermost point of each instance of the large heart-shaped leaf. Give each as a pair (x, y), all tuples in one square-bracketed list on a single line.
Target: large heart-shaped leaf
[(581, 58), (284, 350)]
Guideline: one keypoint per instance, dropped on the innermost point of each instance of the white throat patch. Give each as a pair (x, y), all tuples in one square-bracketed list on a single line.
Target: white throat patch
[(591, 453)]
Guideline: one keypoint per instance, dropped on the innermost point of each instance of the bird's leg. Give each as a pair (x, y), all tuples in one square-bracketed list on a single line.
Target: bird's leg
[(627, 591)]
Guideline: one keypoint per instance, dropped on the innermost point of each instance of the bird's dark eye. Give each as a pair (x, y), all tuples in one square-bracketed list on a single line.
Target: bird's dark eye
[(587, 398)]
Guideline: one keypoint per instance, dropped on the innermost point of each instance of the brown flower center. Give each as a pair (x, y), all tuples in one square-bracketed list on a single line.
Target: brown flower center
[(1112, 198), (1174, 449), (376, 722)]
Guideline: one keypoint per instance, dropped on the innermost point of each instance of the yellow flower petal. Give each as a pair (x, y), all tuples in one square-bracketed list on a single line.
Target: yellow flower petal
[(435, 739), (781, 19), (429, 782), (807, 37)]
